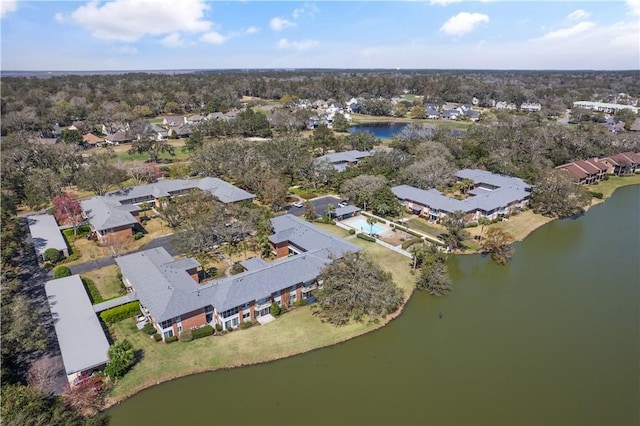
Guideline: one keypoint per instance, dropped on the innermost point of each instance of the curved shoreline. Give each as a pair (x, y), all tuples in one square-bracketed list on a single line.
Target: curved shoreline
[(111, 401)]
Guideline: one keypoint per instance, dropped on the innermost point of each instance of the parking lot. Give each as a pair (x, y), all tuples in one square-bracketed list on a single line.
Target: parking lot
[(319, 205)]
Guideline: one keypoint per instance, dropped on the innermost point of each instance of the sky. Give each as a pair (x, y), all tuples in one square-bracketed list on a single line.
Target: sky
[(431, 34)]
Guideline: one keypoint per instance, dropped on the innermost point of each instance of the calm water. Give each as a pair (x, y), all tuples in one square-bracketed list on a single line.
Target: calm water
[(380, 130), (551, 338)]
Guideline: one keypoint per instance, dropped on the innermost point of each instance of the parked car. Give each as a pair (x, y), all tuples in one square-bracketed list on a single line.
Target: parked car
[(298, 204), (343, 204)]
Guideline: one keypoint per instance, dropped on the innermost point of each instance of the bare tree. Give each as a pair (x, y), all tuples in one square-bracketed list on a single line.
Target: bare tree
[(42, 374)]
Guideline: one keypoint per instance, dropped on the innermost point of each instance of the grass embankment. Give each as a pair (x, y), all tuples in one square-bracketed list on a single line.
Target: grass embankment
[(607, 187), (295, 332)]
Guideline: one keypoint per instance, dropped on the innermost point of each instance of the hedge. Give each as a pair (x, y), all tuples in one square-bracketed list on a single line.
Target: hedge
[(366, 237), (121, 312), (52, 255), (157, 337), (149, 328), (409, 243), (186, 336), (92, 291), (171, 339), (205, 331), (61, 272), (352, 231), (598, 195)]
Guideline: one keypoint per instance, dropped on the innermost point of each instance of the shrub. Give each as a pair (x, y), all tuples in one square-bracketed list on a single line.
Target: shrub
[(352, 231), (218, 327), (246, 324), (92, 291), (157, 337), (121, 312), (171, 339), (186, 336), (606, 177), (308, 195), (472, 225), (301, 302), (61, 272), (237, 268), (409, 243), (138, 235), (366, 237), (205, 331), (275, 309), (598, 195), (52, 255), (149, 329)]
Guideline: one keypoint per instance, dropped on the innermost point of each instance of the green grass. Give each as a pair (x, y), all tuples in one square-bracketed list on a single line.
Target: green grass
[(295, 332), (333, 229), (421, 225), (614, 182), (106, 281)]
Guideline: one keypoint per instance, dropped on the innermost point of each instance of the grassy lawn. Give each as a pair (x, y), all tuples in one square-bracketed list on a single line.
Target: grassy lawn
[(88, 250), (332, 229), (425, 227), (295, 332), (608, 186), (106, 281)]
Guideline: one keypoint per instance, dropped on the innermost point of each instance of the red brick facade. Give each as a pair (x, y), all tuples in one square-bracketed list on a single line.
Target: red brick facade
[(282, 249)]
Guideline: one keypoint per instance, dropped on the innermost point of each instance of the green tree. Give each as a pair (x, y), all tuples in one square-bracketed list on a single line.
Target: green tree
[(309, 210), (275, 309), (356, 288), (418, 112), (100, 176), (121, 358), (340, 123), (324, 139), (194, 142), (72, 137), (61, 272), (361, 140), (434, 279), (456, 234), (498, 243), (52, 255), (153, 147), (558, 195)]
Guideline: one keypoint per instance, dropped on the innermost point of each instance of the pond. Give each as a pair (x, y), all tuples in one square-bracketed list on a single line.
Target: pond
[(383, 130), (551, 338)]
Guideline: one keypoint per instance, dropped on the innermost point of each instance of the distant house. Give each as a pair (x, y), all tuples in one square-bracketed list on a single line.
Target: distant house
[(181, 131), (473, 115), (604, 107), (530, 107), (342, 213), (91, 141), (433, 112), (626, 163), (117, 138), (46, 235), (587, 172), (194, 119), (116, 214), (172, 121), (451, 114), (159, 133), (341, 160), (111, 128), (215, 116), (635, 127), (82, 341), (492, 196), (502, 105)]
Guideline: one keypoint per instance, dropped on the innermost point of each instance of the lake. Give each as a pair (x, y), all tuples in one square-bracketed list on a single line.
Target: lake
[(383, 130), (551, 338)]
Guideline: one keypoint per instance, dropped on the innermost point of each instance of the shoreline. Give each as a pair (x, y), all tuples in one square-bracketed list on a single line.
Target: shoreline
[(112, 401)]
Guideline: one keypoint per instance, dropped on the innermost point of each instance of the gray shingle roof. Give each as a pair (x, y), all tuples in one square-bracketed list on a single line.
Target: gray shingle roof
[(168, 292), (339, 159), (45, 233), (505, 190), (82, 341), (341, 211), (106, 213), (253, 264)]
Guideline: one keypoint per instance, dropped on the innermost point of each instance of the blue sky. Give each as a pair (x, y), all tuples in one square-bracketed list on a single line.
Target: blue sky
[(430, 34)]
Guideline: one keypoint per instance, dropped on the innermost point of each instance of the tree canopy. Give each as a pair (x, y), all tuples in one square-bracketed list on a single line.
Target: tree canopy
[(356, 288), (558, 195)]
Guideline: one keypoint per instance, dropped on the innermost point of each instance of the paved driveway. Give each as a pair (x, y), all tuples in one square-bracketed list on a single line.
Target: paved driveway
[(319, 205)]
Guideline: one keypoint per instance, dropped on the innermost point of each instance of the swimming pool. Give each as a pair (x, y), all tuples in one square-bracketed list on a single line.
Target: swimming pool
[(360, 224)]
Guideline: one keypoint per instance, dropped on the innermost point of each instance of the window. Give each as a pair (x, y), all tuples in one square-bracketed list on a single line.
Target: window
[(168, 333), (179, 329), (293, 288), (227, 324), (166, 324), (230, 312), (246, 315), (292, 299), (234, 321)]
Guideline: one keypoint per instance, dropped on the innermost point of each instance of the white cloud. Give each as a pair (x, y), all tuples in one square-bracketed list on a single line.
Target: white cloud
[(7, 6), (634, 5), (279, 24), (578, 14), (463, 22), (297, 12), (309, 9), (59, 17), (565, 33), (252, 30), (130, 20), (443, 2), (174, 40), (297, 45), (213, 38)]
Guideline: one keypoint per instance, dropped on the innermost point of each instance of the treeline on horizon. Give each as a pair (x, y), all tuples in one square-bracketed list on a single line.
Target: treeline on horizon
[(33, 104)]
